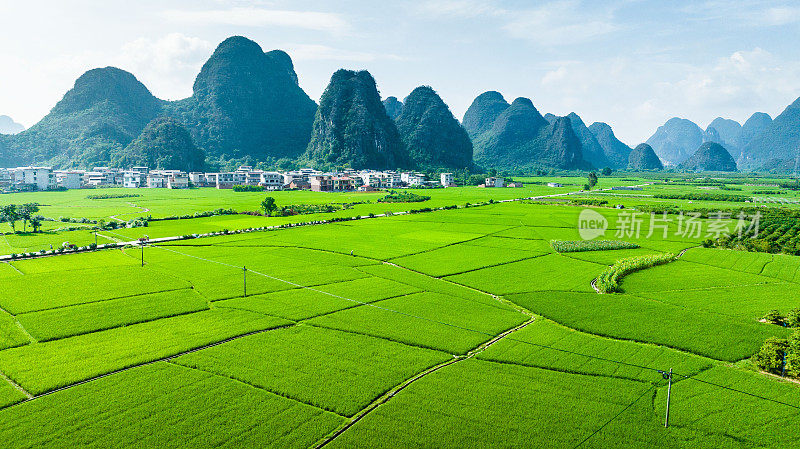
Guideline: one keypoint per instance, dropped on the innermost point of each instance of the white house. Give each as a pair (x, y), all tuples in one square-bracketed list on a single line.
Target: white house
[(42, 178), (156, 181), (412, 179), (554, 184), (446, 180)]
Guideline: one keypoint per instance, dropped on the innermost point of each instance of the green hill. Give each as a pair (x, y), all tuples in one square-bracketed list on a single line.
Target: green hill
[(432, 136), (483, 112), (247, 103), (590, 147), (521, 138), (615, 151), (104, 111), (711, 156), (163, 144), (351, 127), (644, 158)]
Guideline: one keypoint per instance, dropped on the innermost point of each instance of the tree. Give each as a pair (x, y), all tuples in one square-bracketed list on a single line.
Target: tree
[(793, 318), (10, 213), (770, 357), (36, 222), (607, 171), (793, 355), (269, 205), (592, 180), (26, 213)]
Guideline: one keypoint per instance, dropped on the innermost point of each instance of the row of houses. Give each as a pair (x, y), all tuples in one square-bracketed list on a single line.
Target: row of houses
[(45, 178)]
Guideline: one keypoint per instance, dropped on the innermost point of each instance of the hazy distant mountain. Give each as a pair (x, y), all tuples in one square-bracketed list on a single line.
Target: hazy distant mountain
[(616, 151), (591, 149), (520, 137), (483, 112), (712, 135), (9, 126), (105, 110), (729, 132), (163, 144), (779, 140), (393, 107), (247, 103), (551, 118), (351, 127), (644, 158), (710, 156), (432, 136), (755, 125), (675, 140)]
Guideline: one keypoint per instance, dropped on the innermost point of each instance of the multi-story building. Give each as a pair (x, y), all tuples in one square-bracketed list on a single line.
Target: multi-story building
[(412, 179), (38, 178), (5, 178), (271, 180), (69, 179), (446, 179), (135, 178), (343, 183), (321, 183), (156, 181), (494, 182)]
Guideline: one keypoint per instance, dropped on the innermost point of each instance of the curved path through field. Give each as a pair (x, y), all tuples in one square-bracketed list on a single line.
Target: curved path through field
[(594, 281)]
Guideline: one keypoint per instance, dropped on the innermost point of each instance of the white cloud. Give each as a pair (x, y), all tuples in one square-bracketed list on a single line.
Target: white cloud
[(563, 22), (310, 52), (167, 65), (457, 8), (779, 16), (261, 17)]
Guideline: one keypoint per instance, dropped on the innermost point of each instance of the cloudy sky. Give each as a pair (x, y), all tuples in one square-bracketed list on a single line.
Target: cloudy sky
[(631, 63)]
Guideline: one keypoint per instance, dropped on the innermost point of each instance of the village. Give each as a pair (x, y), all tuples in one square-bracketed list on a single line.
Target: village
[(35, 178)]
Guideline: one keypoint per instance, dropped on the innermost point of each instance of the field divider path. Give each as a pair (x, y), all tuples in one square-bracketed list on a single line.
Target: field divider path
[(17, 386), (15, 268), (397, 389)]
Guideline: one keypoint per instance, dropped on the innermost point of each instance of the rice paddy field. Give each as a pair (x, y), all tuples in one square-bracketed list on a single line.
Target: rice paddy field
[(462, 328)]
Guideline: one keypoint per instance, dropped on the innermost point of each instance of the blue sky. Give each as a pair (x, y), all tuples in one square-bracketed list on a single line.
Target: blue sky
[(631, 63)]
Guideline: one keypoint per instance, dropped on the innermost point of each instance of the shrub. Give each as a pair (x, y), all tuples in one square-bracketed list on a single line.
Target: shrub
[(403, 197), (572, 246), (609, 280), (793, 318), (247, 188), (106, 196), (774, 317), (770, 357)]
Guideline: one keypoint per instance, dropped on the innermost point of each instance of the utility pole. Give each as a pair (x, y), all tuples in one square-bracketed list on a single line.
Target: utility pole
[(244, 277), (95, 238), (142, 254), (668, 376)]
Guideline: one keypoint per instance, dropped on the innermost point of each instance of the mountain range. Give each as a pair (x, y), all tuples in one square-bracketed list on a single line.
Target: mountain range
[(247, 106)]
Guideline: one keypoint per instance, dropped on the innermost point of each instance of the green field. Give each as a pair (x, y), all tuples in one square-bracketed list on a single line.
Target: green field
[(459, 328)]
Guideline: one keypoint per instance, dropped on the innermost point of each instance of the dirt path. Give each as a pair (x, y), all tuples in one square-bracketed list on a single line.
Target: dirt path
[(116, 216)]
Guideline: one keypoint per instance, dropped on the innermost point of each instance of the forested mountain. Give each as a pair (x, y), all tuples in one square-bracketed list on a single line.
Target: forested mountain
[(711, 156), (590, 147), (9, 126), (247, 103), (393, 107), (483, 112), (728, 131), (644, 158), (616, 152), (755, 125), (520, 137), (432, 136), (779, 140), (676, 140), (105, 110), (351, 127), (163, 144)]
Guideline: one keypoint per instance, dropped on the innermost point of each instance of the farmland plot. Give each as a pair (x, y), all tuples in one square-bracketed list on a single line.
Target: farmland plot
[(730, 259), (337, 371), (9, 395), (79, 319), (630, 317), (428, 320), (47, 366), (300, 303), (164, 405), (684, 275), (71, 262), (550, 272), (460, 406), (461, 258), (574, 352), (34, 292), (10, 333)]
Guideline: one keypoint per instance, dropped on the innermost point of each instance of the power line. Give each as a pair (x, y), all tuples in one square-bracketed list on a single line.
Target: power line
[(616, 416), (738, 391)]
